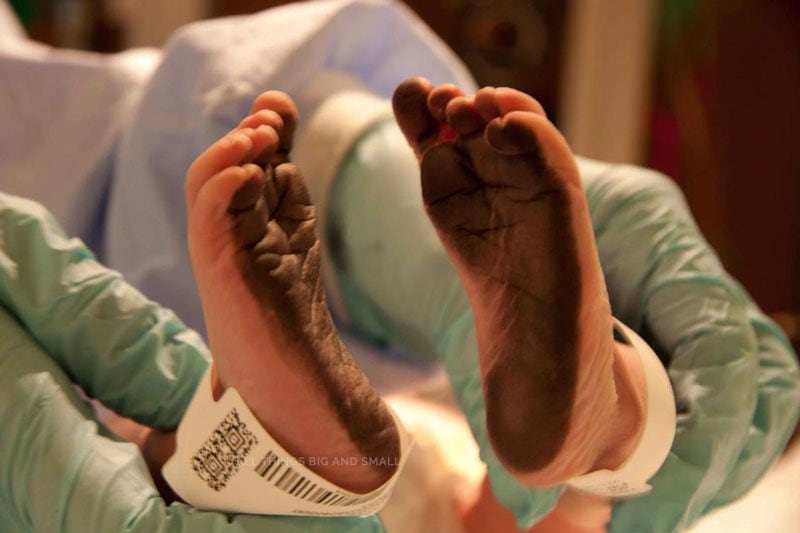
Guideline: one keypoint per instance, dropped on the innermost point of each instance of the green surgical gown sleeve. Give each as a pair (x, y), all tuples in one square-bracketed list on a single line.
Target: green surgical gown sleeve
[(733, 371), (65, 320)]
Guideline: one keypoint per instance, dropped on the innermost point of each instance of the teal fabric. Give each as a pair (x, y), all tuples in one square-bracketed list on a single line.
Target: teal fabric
[(734, 373), (65, 319)]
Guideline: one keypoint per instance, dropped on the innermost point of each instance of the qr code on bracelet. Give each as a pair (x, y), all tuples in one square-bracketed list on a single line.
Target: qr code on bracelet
[(224, 451)]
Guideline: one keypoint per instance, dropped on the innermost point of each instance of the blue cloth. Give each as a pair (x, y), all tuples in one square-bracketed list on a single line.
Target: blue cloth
[(62, 113), (210, 74)]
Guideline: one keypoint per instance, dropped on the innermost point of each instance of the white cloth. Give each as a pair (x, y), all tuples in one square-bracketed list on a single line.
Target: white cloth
[(336, 123)]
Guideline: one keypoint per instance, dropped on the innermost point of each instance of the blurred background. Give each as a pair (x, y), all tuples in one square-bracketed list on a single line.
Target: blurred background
[(707, 92)]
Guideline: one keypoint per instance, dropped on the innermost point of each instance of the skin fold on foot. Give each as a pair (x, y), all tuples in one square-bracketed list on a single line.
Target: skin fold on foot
[(256, 258), (503, 191)]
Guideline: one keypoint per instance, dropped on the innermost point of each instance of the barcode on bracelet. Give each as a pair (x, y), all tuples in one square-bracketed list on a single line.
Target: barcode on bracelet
[(224, 451), (284, 477)]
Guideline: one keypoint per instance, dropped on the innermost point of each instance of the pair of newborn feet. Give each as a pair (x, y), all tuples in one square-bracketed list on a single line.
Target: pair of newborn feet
[(502, 188)]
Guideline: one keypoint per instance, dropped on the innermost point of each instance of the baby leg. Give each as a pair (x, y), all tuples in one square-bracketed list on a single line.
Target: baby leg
[(256, 256), (502, 189)]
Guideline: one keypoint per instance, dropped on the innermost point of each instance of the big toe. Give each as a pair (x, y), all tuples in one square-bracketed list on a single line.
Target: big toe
[(282, 104), (416, 121)]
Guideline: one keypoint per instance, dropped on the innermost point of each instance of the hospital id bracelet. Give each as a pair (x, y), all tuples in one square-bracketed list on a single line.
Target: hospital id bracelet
[(226, 461), (630, 479)]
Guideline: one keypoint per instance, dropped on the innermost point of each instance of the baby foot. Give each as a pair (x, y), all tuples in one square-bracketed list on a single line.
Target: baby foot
[(256, 258), (502, 188)]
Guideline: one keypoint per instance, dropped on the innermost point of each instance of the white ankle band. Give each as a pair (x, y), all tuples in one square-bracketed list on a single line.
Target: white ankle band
[(630, 479), (338, 111), (226, 461)]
